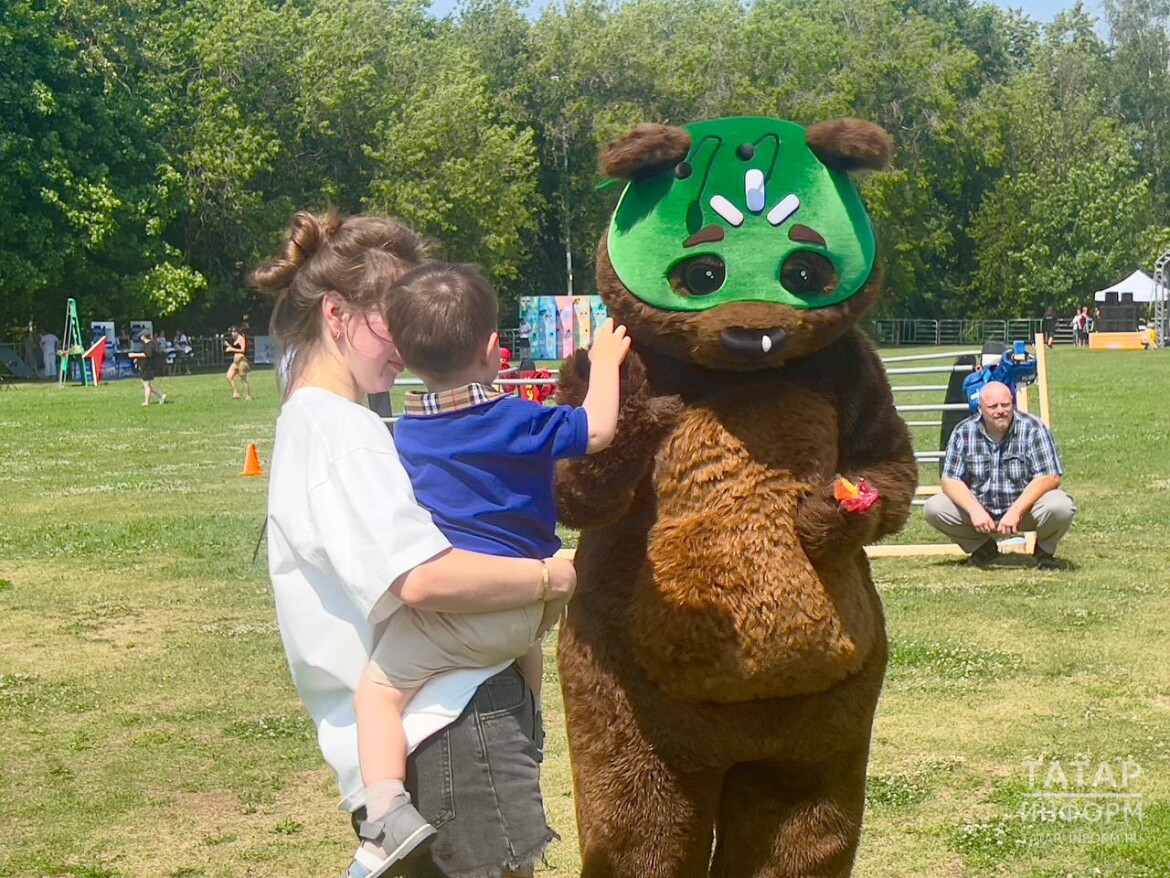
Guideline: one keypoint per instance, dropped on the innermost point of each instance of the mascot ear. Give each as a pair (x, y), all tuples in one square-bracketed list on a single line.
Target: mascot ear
[(850, 145), (647, 150)]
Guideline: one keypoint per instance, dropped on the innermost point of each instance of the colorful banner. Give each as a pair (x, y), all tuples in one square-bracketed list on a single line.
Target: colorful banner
[(555, 326), (582, 321), (566, 337), (99, 328)]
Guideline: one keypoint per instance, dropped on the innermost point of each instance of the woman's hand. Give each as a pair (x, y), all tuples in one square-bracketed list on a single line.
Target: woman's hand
[(562, 579), (553, 610)]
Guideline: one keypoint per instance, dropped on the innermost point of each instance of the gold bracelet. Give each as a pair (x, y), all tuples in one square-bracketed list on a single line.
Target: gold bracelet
[(545, 584)]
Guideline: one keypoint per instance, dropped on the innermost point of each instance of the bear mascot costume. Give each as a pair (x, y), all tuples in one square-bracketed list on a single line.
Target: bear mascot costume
[(722, 658)]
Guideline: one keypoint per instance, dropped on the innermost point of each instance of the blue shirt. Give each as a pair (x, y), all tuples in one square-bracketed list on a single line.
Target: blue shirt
[(998, 472), (482, 463)]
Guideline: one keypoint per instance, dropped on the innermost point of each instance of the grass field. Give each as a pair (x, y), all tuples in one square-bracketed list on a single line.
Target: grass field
[(149, 728)]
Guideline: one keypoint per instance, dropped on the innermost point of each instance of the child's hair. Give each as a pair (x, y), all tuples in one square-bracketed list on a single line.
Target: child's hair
[(441, 316), (356, 258)]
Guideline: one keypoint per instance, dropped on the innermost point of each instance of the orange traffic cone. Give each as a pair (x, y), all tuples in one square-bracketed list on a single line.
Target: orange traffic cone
[(252, 462)]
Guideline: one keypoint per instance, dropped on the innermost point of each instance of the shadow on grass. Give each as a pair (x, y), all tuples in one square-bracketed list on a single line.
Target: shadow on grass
[(1008, 561)]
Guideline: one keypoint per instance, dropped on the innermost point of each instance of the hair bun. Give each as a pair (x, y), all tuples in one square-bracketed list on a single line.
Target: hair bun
[(307, 233)]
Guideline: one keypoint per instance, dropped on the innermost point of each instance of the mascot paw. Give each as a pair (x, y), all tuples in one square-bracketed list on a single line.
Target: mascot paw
[(597, 490), (855, 498), (642, 413), (834, 519), (573, 381), (643, 416)]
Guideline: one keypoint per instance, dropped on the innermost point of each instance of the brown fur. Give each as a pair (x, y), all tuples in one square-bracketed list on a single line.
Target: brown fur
[(850, 144), (646, 150), (722, 659)]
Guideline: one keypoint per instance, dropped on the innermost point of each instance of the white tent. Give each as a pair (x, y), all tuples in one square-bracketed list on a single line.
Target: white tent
[(1139, 283)]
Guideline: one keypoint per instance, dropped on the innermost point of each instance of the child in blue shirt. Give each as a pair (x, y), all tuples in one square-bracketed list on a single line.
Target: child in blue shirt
[(482, 463)]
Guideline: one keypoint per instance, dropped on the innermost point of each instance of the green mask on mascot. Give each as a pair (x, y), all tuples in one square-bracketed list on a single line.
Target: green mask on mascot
[(750, 215)]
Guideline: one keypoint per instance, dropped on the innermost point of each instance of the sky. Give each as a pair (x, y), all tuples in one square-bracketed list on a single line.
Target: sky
[(1045, 10), (1041, 10)]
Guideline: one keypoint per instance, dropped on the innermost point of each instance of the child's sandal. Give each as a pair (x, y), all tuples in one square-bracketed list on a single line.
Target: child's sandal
[(403, 833)]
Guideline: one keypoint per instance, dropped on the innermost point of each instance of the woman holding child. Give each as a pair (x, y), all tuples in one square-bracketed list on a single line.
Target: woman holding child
[(350, 549)]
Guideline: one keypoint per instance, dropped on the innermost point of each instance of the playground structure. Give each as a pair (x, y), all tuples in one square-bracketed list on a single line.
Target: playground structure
[(73, 349)]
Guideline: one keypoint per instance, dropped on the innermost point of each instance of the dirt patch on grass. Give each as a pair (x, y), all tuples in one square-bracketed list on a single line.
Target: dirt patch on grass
[(298, 832)]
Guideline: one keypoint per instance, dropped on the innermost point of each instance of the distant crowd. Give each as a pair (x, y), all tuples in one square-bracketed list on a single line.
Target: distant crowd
[(41, 350), (1087, 321)]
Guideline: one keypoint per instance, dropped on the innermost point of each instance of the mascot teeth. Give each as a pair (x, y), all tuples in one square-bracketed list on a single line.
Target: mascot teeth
[(752, 343)]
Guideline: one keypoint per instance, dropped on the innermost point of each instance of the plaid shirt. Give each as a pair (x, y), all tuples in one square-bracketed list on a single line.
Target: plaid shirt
[(997, 473), (418, 402)]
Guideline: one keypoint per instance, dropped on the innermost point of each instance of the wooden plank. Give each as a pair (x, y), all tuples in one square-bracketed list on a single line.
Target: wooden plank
[(893, 550), (897, 551), (1042, 379)]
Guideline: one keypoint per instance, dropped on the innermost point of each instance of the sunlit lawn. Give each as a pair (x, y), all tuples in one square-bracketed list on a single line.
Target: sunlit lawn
[(149, 726)]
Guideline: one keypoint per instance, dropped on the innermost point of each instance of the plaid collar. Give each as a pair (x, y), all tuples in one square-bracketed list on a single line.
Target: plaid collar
[(444, 402)]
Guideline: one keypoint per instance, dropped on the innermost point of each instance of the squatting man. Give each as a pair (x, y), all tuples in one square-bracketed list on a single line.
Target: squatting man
[(1001, 475)]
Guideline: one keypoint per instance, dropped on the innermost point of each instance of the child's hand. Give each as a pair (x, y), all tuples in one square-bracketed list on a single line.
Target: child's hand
[(610, 344)]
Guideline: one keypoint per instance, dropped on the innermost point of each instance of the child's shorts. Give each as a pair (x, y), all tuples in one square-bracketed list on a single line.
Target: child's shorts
[(417, 644)]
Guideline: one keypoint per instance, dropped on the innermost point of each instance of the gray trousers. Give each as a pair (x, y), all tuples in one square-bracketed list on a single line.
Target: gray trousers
[(1050, 516)]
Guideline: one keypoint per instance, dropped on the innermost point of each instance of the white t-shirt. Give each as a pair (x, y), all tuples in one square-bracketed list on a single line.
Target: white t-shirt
[(343, 524), (49, 344)]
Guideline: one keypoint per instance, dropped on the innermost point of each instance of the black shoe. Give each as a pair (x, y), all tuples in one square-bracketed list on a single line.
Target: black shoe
[(983, 556), (1045, 560)]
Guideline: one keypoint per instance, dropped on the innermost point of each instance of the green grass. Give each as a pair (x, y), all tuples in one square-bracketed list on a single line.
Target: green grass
[(150, 727)]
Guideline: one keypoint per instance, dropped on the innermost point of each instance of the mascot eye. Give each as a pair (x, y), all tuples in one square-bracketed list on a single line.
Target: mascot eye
[(699, 275), (805, 273)]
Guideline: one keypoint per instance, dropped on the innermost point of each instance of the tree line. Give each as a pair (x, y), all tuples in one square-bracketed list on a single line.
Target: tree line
[(152, 151)]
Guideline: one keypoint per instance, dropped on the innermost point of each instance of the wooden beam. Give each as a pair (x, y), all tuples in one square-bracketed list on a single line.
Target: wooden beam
[(894, 550), (1042, 379)]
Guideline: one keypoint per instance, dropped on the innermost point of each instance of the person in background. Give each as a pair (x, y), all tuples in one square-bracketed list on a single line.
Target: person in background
[(149, 361), (1148, 336), (1080, 324), (49, 343), (1048, 327), (183, 352), (237, 345), (1001, 475)]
